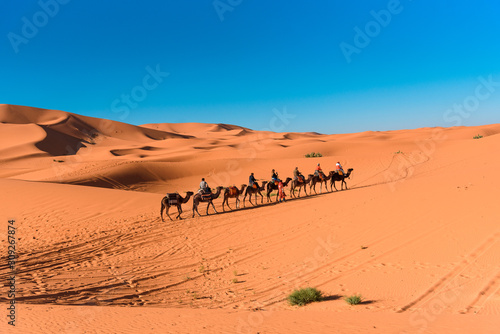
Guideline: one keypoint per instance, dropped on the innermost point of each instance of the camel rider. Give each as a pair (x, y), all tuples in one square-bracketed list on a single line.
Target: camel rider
[(339, 168), (252, 182), (204, 188), (274, 177), (319, 172), (297, 175)]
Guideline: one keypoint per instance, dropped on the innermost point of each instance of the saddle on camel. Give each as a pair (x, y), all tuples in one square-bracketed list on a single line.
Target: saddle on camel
[(233, 191), (172, 199)]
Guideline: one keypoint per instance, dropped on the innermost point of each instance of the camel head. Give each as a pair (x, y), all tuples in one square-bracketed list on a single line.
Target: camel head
[(349, 172)]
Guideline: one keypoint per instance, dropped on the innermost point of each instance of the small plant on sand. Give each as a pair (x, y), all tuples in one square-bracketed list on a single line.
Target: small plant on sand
[(235, 273), (353, 300), (477, 137), (313, 155), (234, 280), (304, 296), (201, 269), (398, 152)]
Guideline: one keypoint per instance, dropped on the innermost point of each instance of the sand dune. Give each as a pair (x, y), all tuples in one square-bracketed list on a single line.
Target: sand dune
[(416, 234)]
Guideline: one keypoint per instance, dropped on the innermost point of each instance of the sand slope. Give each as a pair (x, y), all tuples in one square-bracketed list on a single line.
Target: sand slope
[(416, 233)]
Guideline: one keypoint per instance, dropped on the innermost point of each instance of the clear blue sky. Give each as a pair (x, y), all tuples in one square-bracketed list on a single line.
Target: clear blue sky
[(238, 62)]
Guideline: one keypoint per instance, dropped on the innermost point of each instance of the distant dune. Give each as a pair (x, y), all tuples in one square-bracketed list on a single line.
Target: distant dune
[(416, 234)]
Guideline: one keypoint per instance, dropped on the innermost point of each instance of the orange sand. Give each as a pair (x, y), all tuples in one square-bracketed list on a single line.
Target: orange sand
[(416, 234)]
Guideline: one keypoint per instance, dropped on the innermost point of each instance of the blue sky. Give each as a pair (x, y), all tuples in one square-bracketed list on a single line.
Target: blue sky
[(238, 61)]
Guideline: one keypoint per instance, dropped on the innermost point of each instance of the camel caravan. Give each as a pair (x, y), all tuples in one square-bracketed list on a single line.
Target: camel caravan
[(298, 183)]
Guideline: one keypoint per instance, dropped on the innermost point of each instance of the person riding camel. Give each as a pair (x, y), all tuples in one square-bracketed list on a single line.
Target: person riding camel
[(274, 177), (319, 172), (204, 188), (339, 168), (252, 182), (297, 175)]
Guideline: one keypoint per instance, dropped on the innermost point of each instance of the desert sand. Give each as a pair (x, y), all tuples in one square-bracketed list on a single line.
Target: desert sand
[(416, 233)]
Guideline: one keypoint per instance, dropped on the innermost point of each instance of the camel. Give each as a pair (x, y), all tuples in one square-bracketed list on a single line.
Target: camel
[(251, 190), (198, 198), (232, 192), (180, 200), (317, 179), (296, 184), (271, 186), (337, 177)]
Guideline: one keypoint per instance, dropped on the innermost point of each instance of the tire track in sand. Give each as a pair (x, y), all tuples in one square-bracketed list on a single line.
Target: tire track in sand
[(454, 273)]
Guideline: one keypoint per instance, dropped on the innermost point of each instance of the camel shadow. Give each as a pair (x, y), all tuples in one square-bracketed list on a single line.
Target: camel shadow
[(265, 204)]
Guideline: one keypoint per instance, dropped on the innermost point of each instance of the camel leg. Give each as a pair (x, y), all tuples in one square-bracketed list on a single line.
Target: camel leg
[(179, 211), (208, 205), (261, 198), (161, 211), (213, 206), (195, 208), (227, 202), (166, 211)]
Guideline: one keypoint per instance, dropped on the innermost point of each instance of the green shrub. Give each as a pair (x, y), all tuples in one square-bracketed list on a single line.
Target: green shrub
[(477, 137), (304, 296), (313, 155), (354, 299)]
